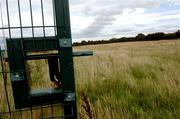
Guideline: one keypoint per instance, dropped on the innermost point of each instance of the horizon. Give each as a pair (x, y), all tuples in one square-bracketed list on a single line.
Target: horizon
[(3, 42), (103, 19)]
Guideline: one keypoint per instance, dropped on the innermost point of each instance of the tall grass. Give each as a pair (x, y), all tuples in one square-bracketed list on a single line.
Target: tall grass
[(132, 80), (137, 80)]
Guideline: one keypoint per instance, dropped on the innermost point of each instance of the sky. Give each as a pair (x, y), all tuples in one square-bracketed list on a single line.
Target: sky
[(101, 19)]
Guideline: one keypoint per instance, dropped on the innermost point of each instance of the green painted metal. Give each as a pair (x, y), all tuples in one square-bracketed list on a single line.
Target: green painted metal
[(65, 52), (45, 96), (61, 62), (40, 44), (19, 80), (56, 55)]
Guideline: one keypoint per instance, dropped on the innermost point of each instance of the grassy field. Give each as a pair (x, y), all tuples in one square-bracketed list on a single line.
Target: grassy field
[(131, 80), (136, 80)]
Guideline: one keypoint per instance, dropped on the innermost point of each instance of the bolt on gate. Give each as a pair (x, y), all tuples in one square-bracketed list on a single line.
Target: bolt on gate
[(57, 50)]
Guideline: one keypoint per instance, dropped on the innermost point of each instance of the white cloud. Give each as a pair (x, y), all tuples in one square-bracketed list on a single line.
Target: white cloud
[(120, 18), (103, 19)]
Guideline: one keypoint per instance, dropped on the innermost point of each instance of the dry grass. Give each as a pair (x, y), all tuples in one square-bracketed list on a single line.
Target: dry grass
[(123, 80), (131, 80)]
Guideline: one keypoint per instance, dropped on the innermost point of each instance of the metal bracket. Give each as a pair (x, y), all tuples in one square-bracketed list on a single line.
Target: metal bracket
[(69, 97), (82, 53), (16, 77), (65, 43)]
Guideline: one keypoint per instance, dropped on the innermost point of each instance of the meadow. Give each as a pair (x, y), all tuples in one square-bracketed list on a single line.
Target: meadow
[(132, 80), (136, 80)]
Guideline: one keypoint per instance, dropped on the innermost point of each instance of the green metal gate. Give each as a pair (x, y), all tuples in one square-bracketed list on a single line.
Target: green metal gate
[(22, 49)]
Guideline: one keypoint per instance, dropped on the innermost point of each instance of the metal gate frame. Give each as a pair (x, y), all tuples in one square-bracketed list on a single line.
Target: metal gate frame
[(18, 49)]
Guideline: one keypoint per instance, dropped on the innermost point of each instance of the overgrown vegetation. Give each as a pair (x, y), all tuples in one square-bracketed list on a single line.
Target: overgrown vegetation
[(133, 80), (137, 80)]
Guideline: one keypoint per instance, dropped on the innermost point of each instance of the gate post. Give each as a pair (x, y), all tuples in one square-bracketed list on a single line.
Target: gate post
[(61, 8)]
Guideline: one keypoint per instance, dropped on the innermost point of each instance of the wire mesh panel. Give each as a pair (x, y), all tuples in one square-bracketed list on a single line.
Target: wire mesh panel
[(34, 30), (28, 18), (37, 69), (7, 109)]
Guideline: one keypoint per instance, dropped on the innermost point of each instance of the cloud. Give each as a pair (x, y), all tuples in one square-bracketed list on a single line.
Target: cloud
[(100, 22), (95, 19), (104, 13), (129, 16)]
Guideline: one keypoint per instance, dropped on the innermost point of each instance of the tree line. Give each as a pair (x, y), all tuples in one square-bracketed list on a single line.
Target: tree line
[(139, 37)]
